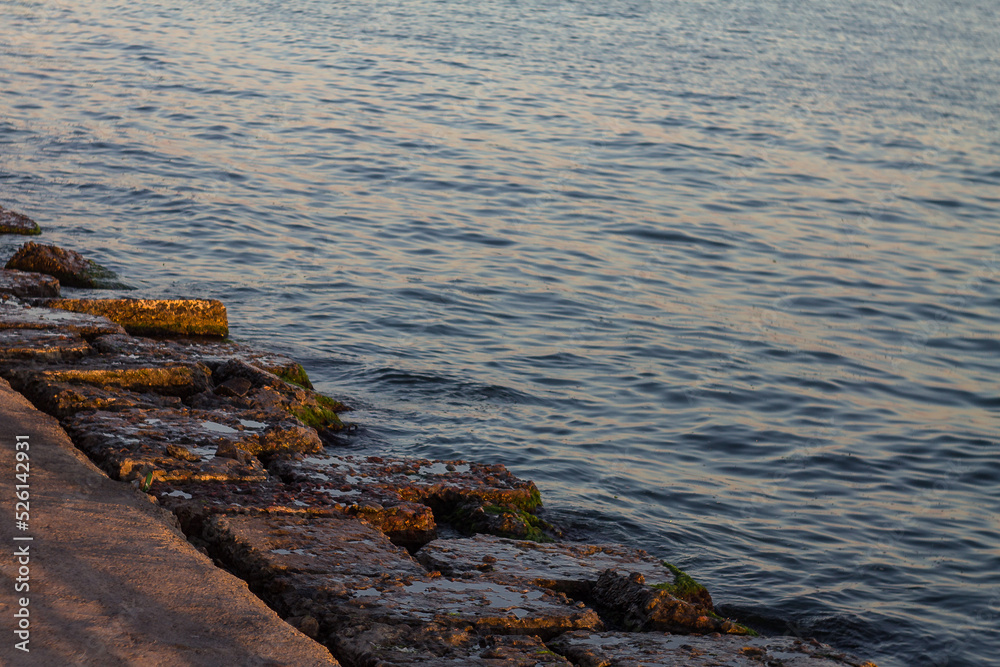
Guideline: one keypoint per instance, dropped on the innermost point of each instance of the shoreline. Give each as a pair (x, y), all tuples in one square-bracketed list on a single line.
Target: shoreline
[(234, 441)]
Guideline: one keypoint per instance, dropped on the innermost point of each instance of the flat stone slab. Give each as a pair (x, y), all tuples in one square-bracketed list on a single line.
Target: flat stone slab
[(27, 285), (491, 608), (41, 345), (434, 646), (161, 317), (439, 484), (112, 372), (616, 649), (569, 567), (184, 444), (405, 523), (20, 316), (261, 548), (70, 267), (64, 399), (209, 352), (12, 222)]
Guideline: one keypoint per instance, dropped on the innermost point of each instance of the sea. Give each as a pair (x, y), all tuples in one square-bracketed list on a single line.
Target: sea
[(721, 276)]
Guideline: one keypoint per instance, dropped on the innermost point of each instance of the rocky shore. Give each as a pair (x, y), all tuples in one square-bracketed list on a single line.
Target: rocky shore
[(384, 560)]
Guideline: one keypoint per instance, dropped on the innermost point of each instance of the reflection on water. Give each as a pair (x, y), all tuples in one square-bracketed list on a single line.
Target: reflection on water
[(722, 278)]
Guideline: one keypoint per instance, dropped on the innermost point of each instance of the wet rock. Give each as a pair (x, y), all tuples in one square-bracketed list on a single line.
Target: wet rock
[(156, 317), (15, 315), (40, 345), (615, 649), (630, 604), (490, 608), (12, 222), (433, 645), (260, 548), (502, 520), (568, 567), (409, 525), (25, 285), (442, 485), (251, 387), (70, 267)]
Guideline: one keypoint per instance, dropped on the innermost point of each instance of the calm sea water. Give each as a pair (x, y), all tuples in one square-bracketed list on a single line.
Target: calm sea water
[(722, 277)]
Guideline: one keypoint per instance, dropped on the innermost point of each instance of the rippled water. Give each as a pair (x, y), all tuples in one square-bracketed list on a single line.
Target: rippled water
[(722, 277)]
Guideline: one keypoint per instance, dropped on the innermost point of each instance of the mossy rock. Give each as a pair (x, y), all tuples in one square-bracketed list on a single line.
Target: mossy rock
[(294, 374), (684, 587), (502, 521), (12, 222), (70, 267)]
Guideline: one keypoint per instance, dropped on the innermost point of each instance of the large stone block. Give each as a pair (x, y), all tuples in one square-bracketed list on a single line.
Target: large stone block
[(159, 317), (23, 345)]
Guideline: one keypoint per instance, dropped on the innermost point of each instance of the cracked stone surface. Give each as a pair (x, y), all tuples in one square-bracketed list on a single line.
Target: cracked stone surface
[(618, 649)]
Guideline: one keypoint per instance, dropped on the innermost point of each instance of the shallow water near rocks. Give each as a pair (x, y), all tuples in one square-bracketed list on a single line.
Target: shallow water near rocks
[(722, 278)]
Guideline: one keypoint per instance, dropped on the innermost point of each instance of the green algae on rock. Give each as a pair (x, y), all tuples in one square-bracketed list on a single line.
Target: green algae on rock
[(12, 222), (684, 587), (70, 267), (156, 317)]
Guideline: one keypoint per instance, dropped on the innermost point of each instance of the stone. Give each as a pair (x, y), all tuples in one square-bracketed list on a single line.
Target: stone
[(630, 604), (12, 222), (260, 548), (569, 567), (28, 285), (159, 317), (249, 387), (41, 345), (434, 645), (113, 372), (64, 399), (439, 484), (406, 524), (70, 267), (471, 517), (490, 608), (16, 315), (618, 649)]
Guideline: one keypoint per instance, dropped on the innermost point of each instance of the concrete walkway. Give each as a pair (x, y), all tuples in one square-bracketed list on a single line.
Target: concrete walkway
[(112, 581)]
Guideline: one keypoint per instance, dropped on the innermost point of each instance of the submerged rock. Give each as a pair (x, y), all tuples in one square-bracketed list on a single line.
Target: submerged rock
[(28, 285), (155, 317), (12, 222), (70, 267), (618, 649)]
